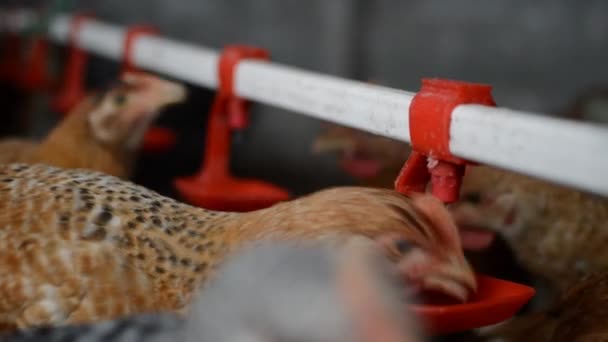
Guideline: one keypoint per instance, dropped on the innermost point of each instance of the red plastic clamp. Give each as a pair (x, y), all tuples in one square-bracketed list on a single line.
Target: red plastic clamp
[(430, 118), (131, 36), (229, 111), (36, 74), (214, 187), (72, 89), (231, 56)]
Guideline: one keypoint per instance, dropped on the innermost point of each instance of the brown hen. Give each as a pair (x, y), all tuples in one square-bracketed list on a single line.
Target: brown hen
[(102, 133), (326, 294), (80, 246), (376, 161), (556, 232)]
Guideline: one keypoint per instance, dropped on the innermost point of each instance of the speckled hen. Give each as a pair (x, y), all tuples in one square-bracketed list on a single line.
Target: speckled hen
[(80, 246), (326, 294)]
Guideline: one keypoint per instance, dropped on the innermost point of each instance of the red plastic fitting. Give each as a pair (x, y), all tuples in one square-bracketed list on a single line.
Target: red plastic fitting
[(430, 119), (231, 56), (134, 32), (36, 74), (229, 111), (72, 89), (214, 187)]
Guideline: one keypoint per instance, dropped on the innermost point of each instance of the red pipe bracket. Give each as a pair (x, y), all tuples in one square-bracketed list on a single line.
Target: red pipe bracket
[(430, 117), (228, 111), (214, 187), (72, 89), (134, 32), (231, 56), (35, 70)]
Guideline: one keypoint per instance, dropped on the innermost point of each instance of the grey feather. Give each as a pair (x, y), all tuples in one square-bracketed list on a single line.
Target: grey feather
[(268, 293)]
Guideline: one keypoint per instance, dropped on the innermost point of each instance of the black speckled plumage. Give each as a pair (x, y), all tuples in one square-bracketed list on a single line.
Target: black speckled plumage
[(152, 327)]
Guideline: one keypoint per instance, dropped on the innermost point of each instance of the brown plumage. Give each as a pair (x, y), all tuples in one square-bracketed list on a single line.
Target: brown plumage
[(15, 150), (103, 132), (326, 294), (78, 246), (557, 233)]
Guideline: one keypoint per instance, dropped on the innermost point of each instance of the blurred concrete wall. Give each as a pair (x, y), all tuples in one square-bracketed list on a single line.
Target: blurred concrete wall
[(535, 53)]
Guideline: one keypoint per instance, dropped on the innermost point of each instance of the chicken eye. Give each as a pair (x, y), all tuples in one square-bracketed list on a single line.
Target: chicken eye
[(472, 197), (120, 99), (403, 246)]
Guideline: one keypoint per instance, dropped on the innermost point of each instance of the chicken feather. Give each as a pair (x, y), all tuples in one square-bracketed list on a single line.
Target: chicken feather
[(556, 232), (104, 131), (326, 294), (104, 232)]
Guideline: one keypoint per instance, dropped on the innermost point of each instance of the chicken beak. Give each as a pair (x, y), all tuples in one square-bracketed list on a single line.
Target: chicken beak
[(172, 93), (454, 278), (154, 92)]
